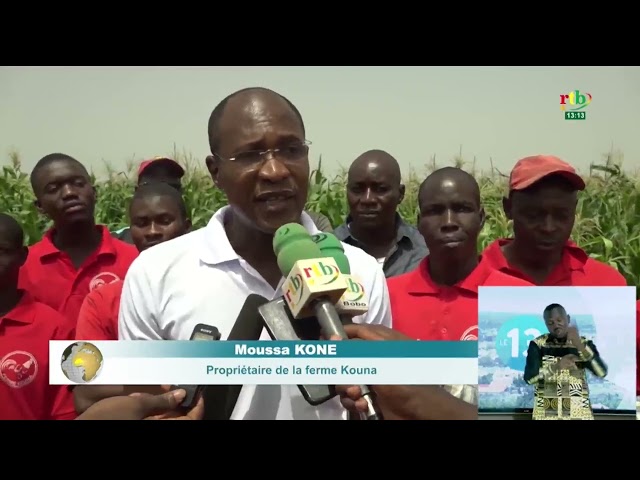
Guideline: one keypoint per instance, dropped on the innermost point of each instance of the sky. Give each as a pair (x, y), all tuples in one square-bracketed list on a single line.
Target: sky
[(493, 114)]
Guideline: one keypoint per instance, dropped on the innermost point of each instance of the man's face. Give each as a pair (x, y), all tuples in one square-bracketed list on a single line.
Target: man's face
[(155, 219), (12, 257), (265, 190), (450, 217), (542, 218), (373, 194), (64, 193), (160, 174), (557, 322)]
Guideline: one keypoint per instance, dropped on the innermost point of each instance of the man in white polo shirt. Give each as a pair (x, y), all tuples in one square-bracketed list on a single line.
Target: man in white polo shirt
[(260, 160)]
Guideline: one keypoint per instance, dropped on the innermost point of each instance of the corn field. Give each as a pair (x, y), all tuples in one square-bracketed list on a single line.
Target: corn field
[(607, 224)]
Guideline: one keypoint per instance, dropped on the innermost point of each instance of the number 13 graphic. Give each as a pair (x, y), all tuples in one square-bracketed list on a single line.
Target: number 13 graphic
[(514, 336)]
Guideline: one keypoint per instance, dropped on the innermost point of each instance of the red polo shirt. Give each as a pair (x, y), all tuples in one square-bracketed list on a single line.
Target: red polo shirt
[(98, 318), (25, 393), (576, 269), (52, 279), (424, 310)]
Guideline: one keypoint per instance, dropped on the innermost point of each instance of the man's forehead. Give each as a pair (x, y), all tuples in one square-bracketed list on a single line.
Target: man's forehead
[(447, 189), (249, 114), (59, 170), (153, 205)]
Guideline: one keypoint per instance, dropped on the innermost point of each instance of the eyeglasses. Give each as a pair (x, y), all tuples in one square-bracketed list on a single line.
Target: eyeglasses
[(290, 153)]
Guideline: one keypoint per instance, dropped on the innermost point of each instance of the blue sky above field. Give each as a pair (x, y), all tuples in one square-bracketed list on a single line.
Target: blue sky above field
[(495, 114)]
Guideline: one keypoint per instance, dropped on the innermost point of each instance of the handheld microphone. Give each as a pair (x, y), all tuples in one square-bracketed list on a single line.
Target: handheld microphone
[(220, 400), (352, 303), (282, 326), (314, 284), (354, 300), (200, 332)]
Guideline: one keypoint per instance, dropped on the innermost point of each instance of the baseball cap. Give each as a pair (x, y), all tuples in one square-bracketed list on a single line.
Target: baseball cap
[(173, 166), (530, 170)]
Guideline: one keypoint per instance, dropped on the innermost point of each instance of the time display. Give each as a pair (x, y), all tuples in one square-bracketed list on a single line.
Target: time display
[(575, 115)]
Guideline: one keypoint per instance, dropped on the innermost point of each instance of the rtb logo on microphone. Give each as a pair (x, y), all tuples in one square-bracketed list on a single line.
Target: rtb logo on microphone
[(310, 279), (354, 300)]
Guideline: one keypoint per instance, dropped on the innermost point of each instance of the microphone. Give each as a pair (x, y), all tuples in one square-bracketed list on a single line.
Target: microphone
[(314, 284), (200, 332), (354, 301), (220, 400), (282, 326)]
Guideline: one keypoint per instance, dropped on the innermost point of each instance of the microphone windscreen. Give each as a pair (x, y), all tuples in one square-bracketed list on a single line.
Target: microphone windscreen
[(292, 243), (330, 246)]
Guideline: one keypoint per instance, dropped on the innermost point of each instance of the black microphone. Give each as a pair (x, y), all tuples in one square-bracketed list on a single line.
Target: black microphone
[(220, 400), (281, 325)]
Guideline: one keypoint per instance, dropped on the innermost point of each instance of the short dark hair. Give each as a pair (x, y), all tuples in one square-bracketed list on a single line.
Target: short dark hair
[(160, 189), (12, 229), (550, 308), (48, 160), (450, 170), (213, 126)]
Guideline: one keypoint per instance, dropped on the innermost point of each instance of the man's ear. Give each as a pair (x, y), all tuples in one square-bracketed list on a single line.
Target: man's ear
[(38, 206), (402, 191), (483, 217), (506, 206), (24, 253), (213, 165)]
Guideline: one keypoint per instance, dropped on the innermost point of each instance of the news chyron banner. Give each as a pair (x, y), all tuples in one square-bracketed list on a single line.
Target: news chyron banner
[(263, 363)]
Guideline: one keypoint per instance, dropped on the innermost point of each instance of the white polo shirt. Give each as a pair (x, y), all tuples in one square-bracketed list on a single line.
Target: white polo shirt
[(199, 278)]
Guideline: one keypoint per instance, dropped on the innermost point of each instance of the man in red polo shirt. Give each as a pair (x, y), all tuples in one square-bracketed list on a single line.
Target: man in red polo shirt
[(75, 256), (439, 299), (542, 201), (157, 213), (26, 327)]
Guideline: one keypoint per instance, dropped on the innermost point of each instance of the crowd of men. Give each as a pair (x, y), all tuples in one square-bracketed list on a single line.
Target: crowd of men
[(158, 278)]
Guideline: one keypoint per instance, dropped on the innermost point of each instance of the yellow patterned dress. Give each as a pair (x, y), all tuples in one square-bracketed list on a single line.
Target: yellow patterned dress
[(564, 394)]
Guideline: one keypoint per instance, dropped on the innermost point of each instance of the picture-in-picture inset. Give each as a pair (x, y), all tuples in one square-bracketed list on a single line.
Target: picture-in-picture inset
[(557, 353)]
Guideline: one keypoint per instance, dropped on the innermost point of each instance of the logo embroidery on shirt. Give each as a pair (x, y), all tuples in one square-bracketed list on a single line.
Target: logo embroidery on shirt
[(18, 369), (103, 278), (470, 334)]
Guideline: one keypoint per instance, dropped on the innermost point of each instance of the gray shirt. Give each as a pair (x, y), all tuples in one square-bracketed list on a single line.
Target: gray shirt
[(407, 253)]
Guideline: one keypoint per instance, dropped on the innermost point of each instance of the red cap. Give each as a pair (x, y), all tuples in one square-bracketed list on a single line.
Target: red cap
[(172, 165), (530, 170)]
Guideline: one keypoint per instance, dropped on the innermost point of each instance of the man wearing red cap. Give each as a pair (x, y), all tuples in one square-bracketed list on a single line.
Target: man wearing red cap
[(156, 170), (542, 204)]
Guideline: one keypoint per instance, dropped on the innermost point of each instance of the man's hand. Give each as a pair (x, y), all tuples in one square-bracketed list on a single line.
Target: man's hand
[(373, 332), (141, 407), (568, 362), (573, 337), (402, 402)]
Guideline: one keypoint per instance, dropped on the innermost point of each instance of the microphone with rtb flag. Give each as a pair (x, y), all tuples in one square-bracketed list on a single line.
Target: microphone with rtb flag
[(314, 284), (277, 317), (353, 301)]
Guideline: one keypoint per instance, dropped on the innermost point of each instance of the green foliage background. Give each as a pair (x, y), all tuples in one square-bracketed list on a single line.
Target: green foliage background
[(607, 224)]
